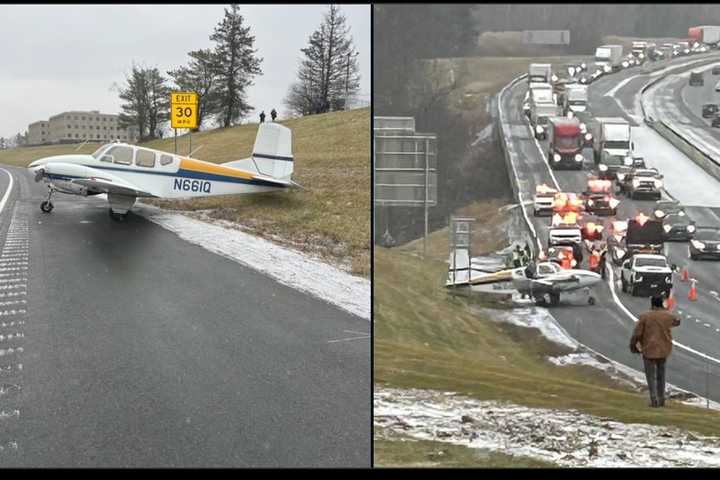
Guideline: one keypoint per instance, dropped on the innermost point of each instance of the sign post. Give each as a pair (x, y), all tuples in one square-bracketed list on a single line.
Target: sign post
[(184, 113), (405, 164)]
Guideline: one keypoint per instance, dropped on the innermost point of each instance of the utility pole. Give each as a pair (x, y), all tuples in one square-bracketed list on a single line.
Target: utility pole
[(347, 75)]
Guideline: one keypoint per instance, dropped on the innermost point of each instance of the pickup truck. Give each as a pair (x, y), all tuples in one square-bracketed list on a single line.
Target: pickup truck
[(646, 275)]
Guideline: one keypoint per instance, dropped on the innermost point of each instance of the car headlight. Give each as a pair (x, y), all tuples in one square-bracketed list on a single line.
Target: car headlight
[(579, 158), (591, 202), (681, 213), (659, 213), (603, 167), (538, 129), (621, 177), (628, 161), (697, 244), (607, 68), (667, 228), (625, 64), (556, 157), (639, 278), (642, 55), (658, 183), (583, 127), (691, 228), (588, 137), (554, 78), (583, 80), (636, 183), (583, 66)]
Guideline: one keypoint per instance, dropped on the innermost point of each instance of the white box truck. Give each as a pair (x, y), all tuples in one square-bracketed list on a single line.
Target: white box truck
[(540, 73), (576, 99), (613, 142), (608, 58)]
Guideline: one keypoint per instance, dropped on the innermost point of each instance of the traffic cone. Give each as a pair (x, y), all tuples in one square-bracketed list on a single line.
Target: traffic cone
[(693, 292), (670, 301), (685, 275)]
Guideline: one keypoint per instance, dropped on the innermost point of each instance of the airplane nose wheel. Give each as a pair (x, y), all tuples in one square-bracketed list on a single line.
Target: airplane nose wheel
[(118, 217), (47, 205)]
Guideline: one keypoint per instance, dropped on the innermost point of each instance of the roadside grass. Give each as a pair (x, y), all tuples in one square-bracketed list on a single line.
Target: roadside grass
[(21, 157), (329, 216), (425, 337), (401, 451)]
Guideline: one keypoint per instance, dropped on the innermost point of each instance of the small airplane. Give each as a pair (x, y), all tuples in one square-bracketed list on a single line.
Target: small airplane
[(537, 280), (126, 172)]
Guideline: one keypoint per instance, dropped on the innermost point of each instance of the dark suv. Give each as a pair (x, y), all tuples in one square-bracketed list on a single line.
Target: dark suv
[(709, 110), (696, 79)]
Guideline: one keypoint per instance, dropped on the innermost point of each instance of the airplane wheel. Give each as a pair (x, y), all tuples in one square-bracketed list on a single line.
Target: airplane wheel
[(46, 206), (118, 217)]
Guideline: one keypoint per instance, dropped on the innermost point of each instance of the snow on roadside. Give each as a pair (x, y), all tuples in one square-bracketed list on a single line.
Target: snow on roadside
[(288, 267), (532, 317), (541, 319), (566, 437)]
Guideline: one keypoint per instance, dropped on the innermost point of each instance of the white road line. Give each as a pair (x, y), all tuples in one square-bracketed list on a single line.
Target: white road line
[(7, 192)]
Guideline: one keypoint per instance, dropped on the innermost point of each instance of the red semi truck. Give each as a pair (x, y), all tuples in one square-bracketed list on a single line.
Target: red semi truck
[(707, 34), (565, 143)]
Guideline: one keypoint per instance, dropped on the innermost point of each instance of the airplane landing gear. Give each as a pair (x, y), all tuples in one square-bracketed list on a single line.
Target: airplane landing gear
[(47, 205)]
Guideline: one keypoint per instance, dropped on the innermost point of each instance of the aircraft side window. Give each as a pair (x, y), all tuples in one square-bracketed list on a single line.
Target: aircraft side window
[(121, 155), (145, 158), (545, 270), (166, 159)]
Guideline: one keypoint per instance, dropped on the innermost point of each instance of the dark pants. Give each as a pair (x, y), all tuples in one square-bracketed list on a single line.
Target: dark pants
[(655, 374)]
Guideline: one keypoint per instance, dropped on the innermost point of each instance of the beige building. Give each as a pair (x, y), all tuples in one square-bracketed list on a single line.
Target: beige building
[(80, 126), (38, 132)]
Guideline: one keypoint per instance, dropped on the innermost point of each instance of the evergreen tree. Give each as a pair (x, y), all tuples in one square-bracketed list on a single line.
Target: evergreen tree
[(235, 62), (329, 72)]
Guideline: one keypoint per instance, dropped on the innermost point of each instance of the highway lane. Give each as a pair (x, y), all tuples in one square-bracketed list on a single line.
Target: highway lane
[(141, 349), (607, 329)]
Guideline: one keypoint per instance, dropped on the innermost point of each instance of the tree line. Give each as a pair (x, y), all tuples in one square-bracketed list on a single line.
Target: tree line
[(221, 75)]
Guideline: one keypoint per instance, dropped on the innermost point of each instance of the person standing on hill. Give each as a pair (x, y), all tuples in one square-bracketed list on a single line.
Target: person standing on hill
[(653, 339), (262, 116), (273, 114)]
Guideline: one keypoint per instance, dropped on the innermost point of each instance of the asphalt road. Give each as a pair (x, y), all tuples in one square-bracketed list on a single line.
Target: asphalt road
[(606, 327), (140, 349)]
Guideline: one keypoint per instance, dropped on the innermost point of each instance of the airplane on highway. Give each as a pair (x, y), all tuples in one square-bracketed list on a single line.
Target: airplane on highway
[(126, 172), (537, 280)]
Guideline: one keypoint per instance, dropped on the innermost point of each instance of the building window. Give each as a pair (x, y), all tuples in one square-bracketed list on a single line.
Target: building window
[(69, 135)]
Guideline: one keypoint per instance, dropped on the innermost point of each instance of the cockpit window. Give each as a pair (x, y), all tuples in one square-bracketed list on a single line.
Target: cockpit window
[(145, 158), (166, 159), (96, 154), (121, 154)]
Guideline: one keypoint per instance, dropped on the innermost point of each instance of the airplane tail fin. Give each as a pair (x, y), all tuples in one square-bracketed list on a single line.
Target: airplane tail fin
[(272, 154)]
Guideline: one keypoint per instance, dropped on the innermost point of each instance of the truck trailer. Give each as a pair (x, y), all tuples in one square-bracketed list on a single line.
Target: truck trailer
[(612, 139), (609, 57), (707, 34), (540, 72)]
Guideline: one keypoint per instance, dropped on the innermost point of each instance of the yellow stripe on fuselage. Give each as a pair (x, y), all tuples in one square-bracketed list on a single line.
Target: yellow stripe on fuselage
[(207, 167)]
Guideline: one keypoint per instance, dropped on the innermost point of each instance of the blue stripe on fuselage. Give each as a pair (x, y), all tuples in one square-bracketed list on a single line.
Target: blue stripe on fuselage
[(192, 174)]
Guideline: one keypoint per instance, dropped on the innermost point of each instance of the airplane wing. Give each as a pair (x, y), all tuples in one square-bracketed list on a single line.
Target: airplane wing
[(111, 184)]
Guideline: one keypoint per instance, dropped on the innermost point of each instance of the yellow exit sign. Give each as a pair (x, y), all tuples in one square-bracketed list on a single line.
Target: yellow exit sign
[(183, 109)]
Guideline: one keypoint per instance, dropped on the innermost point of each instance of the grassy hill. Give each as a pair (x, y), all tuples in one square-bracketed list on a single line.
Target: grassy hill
[(330, 216), (426, 338)]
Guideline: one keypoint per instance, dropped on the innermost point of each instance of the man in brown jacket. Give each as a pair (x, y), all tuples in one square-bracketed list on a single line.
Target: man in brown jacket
[(652, 338)]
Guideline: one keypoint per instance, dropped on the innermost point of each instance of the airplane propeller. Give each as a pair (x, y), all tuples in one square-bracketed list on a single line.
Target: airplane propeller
[(39, 174)]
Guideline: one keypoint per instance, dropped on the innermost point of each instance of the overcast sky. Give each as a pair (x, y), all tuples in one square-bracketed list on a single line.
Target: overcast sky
[(67, 57)]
